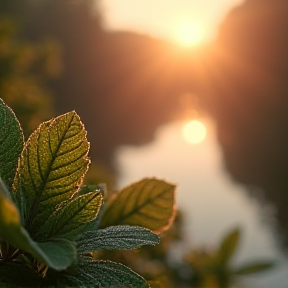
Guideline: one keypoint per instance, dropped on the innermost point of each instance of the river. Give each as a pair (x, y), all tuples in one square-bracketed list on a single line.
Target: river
[(210, 200)]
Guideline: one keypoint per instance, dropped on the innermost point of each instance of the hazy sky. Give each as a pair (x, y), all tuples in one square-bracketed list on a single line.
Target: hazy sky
[(163, 18)]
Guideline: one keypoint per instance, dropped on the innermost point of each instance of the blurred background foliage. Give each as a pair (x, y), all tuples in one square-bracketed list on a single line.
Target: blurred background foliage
[(26, 68), (55, 56)]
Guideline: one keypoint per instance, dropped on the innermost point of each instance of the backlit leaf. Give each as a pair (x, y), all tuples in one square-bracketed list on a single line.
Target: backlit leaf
[(148, 203), (51, 168), (253, 268), (84, 189), (72, 218), (106, 274), (11, 144), (114, 238), (93, 225), (55, 253), (228, 246)]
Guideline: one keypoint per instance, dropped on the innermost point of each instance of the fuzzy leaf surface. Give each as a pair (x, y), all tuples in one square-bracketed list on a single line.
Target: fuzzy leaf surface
[(51, 168), (11, 144), (57, 254), (115, 238), (73, 217), (106, 274), (148, 203)]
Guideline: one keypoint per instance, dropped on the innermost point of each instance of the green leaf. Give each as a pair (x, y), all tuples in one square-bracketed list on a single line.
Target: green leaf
[(148, 203), (71, 219), (9, 221), (106, 274), (228, 246), (11, 144), (51, 168), (103, 190), (59, 253), (84, 189), (115, 238), (253, 268), (55, 253)]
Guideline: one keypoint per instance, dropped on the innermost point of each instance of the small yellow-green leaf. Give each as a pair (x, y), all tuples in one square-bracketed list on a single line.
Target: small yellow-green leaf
[(55, 253), (9, 217), (73, 217), (148, 203), (11, 144), (51, 168), (228, 246), (253, 268)]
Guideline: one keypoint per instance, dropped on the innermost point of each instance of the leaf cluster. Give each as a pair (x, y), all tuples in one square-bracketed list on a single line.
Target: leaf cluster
[(215, 268), (51, 225)]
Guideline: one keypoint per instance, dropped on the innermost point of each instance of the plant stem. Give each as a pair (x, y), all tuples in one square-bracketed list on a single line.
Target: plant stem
[(4, 189)]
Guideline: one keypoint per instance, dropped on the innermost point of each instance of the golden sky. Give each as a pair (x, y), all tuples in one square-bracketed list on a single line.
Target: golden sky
[(168, 19)]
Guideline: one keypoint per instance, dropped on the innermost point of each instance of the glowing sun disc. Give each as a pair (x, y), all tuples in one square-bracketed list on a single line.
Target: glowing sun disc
[(194, 132), (189, 33)]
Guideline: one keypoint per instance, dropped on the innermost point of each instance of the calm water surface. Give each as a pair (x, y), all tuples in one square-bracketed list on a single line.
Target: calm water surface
[(211, 202)]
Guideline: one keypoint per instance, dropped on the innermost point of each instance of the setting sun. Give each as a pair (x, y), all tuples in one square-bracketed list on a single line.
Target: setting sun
[(189, 33), (194, 132)]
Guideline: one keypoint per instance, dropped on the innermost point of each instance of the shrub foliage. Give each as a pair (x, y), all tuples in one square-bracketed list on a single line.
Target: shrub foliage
[(51, 225)]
